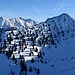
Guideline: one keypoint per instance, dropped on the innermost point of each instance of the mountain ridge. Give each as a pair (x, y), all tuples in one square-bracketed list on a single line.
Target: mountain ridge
[(16, 22)]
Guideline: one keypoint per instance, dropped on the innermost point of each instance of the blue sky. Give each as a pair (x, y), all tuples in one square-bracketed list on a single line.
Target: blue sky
[(38, 10)]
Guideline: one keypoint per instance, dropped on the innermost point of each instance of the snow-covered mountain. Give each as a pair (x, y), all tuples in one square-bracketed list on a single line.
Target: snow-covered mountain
[(61, 26), (21, 22), (46, 48), (61, 22), (16, 22)]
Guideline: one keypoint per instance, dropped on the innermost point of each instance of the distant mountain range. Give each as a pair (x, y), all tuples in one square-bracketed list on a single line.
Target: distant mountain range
[(16, 22)]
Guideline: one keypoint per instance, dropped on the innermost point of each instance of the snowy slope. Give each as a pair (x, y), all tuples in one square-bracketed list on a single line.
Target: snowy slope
[(59, 61)]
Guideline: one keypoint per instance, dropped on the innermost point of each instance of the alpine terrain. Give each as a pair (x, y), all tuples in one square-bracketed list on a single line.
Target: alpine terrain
[(28, 47)]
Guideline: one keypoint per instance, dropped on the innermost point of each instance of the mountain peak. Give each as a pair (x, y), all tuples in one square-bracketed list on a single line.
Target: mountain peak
[(1, 17), (21, 18), (64, 14)]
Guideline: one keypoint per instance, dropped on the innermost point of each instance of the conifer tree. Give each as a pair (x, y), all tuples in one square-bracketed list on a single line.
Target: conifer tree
[(30, 69), (36, 49), (4, 46), (40, 55), (38, 71), (23, 66), (32, 60), (13, 57)]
